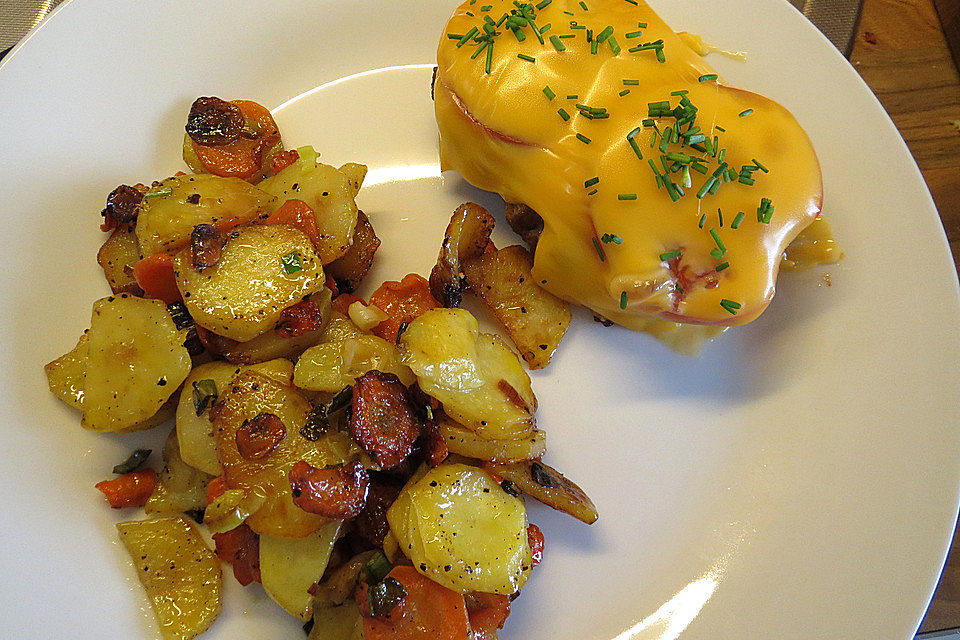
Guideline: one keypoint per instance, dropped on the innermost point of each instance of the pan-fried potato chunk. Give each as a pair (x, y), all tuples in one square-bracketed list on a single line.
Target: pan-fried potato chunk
[(476, 377), (65, 375), (250, 395), (352, 266), (331, 366), (457, 516), (325, 190), (179, 572), (165, 222), (466, 237), (288, 566), (262, 271), (465, 442), (136, 361), (117, 257), (180, 487), (355, 174), (198, 444), (549, 486), (534, 318)]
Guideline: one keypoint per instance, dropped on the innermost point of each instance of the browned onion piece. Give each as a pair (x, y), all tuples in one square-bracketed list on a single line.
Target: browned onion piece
[(123, 204), (214, 122), (350, 268), (382, 420), (299, 319), (525, 222), (466, 237), (371, 524), (547, 485), (257, 438), (206, 246), (333, 493)]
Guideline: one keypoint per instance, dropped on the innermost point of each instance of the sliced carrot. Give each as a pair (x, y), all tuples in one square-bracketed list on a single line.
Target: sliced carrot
[(487, 612), (297, 213), (155, 276), (129, 490), (429, 611), (331, 283), (283, 160), (343, 301), (242, 158), (402, 302), (216, 488), (537, 542)]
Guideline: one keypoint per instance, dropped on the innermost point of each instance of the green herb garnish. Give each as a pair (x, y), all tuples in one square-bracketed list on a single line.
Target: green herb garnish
[(133, 462), (730, 306), (524, 56), (204, 395), (547, 91), (291, 262), (669, 255), (607, 238), (385, 596)]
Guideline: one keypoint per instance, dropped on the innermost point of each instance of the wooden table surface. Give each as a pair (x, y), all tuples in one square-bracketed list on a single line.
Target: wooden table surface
[(901, 52)]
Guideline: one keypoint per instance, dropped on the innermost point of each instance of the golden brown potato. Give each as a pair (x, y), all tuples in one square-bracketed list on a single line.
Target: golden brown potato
[(250, 395), (534, 318), (465, 442), (180, 487), (288, 566), (466, 237), (179, 572), (136, 361), (330, 366), (117, 257), (351, 267), (549, 486), (65, 375), (165, 221), (262, 271), (355, 174)]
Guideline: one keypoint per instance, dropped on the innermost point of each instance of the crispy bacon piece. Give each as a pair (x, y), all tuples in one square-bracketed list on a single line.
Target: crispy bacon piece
[(333, 493), (214, 122), (257, 438), (299, 319), (241, 548), (382, 419), (123, 204), (206, 246), (434, 446), (371, 524)]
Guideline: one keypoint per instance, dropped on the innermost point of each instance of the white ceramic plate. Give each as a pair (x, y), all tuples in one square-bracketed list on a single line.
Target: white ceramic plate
[(799, 480)]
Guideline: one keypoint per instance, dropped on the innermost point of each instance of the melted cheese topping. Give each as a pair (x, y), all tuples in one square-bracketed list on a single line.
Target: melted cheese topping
[(502, 133)]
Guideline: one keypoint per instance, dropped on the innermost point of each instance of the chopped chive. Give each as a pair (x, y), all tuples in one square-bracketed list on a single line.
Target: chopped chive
[(466, 37), (706, 187), (699, 168), (730, 306), (626, 196), (583, 6), (719, 128), (641, 25), (624, 92), (722, 266), (623, 294), (716, 238), (487, 7), (703, 219), (760, 166), (720, 215), (592, 181), (489, 62), (695, 138), (563, 114), (737, 220), (524, 56), (654, 167), (593, 47), (747, 180), (634, 34), (707, 77), (454, 36), (666, 256), (572, 96), (472, 15), (745, 112), (633, 2), (592, 192), (584, 139), (687, 180), (715, 186), (596, 245), (502, 18), (633, 134), (555, 41), (481, 49), (716, 253), (519, 35), (682, 92), (166, 191), (569, 13), (589, 35), (665, 139), (677, 287), (291, 262), (611, 237), (660, 56), (614, 45), (547, 91), (543, 3), (606, 33), (631, 83), (565, 36), (636, 149)]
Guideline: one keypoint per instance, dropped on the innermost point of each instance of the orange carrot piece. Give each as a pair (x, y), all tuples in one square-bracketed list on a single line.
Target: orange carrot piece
[(537, 542), (130, 490), (242, 158), (343, 301), (487, 614), (241, 548), (429, 611), (297, 213), (283, 160), (155, 276), (402, 302)]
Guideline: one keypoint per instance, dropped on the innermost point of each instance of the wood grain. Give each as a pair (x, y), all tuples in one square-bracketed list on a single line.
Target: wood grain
[(901, 52)]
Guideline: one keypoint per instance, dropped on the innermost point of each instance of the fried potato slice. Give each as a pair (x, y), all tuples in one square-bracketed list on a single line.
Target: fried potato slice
[(180, 487), (466, 237), (465, 442), (117, 257), (351, 267), (549, 486), (534, 318)]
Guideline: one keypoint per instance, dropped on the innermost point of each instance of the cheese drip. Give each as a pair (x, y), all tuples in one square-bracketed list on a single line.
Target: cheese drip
[(502, 132)]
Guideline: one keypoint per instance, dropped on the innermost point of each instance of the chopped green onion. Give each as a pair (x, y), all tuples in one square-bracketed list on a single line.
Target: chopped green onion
[(716, 238), (572, 96), (666, 256), (611, 237), (706, 187), (584, 139), (631, 82), (623, 297), (747, 180), (166, 191), (454, 36), (707, 77), (636, 149), (524, 56), (563, 114), (745, 112), (291, 262), (715, 186), (555, 41), (547, 91), (592, 181), (545, 28), (596, 245), (737, 220), (626, 196), (592, 192), (489, 62), (641, 25)]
